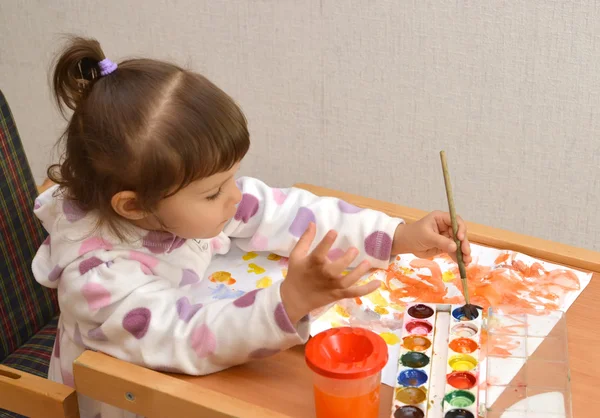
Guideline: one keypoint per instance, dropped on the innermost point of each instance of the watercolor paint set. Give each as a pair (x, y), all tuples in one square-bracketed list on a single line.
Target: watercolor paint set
[(504, 366), (438, 366)]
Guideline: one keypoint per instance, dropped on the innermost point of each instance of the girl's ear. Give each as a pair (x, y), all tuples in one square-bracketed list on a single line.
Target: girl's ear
[(126, 204)]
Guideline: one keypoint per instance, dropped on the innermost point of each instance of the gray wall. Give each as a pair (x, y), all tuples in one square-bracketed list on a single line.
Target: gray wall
[(368, 92)]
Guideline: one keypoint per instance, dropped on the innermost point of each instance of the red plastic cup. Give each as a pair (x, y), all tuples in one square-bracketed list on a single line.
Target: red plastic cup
[(347, 364)]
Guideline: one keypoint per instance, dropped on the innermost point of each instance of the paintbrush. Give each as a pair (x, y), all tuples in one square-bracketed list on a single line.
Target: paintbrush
[(469, 310)]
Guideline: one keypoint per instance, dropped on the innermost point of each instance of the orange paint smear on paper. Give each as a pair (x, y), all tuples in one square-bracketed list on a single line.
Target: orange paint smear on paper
[(511, 284), (422, 288), (515, 286)]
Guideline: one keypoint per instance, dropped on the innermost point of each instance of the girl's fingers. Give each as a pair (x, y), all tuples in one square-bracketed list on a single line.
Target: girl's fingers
[(446, 225), (466, 249), (360, 291), (443, 243), (303, 245), (341, 264), (321, 250), (355, 275), (462, 228), (466, 246)]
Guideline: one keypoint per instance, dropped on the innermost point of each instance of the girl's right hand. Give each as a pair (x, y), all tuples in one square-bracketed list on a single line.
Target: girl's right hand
[(314, 281)]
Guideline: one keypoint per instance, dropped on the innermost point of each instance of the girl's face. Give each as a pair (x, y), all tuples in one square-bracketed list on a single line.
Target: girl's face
[(201, 209)]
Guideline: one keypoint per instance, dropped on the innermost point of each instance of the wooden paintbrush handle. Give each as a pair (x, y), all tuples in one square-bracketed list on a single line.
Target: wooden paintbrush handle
[(459, 255)]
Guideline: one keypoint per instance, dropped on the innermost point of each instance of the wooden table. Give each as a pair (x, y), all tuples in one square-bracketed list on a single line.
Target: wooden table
[(282, 384)]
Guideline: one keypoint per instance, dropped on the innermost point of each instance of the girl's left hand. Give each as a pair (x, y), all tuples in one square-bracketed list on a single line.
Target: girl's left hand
[(430, 236)]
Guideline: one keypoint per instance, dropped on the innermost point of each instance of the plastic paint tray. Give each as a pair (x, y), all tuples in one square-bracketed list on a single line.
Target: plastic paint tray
[(506, 365), (438, 367), (526, 366)]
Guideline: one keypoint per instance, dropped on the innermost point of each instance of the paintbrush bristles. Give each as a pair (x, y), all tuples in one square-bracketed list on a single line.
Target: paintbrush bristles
[(459, 256)]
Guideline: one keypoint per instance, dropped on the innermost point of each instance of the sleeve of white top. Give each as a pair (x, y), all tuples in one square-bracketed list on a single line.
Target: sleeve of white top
[(271, 219)]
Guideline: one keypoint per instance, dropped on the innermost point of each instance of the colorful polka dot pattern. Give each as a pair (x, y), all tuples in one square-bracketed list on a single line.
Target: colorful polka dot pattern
[(247, 208), (188, 277), (346, 207), (147, 262), (159, 242), (215, 244), (55, 274), (247, 299), (203, 341), (97, 334), (186, 310), (72, 211), (282, 320), (137, 322), (96, 295), (93, 244), (300, 223), (279, 196), (88, 264), (259, 242), (177, 243), (379, 245)]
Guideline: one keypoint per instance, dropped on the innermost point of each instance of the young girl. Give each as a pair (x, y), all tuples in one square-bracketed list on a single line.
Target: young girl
[(147, 194)]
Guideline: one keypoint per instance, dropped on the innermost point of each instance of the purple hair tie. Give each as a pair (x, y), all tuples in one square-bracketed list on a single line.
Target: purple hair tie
[(106, 67)]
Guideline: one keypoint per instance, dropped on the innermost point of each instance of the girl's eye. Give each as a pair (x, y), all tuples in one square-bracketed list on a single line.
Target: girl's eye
[(214, 196)]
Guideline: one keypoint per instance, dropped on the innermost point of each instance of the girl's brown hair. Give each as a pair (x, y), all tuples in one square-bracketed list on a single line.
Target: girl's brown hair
[(150, 127)]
